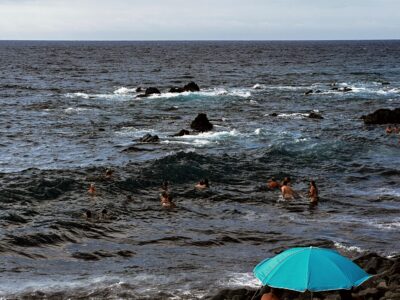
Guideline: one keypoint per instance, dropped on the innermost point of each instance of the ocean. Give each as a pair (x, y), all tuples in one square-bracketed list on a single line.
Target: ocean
[(69, 111)]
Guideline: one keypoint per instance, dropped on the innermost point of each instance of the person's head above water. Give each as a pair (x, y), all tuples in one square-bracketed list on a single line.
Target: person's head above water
[(88, 214)]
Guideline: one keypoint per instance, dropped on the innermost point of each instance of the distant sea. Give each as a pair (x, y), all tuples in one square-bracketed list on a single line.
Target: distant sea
[(69, 112)]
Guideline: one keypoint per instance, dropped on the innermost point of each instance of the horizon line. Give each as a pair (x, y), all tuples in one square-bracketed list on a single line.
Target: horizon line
[(197, 40)]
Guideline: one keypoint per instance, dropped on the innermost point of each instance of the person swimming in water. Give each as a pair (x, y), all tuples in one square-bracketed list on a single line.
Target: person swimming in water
[(92, 189), (287, 192), (166, 200), (88, 215), (313, 193), (109, 173), (273, 184), (203, 184), (389, 129), (104, 214)]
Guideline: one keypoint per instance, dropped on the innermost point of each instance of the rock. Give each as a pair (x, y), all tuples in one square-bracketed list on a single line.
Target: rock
[(345, 89), (385, 82), (149, 91), (309, 92), (201, 123), (148, 138), (383, 116), (372, 263), (191, 87), (318, 91), (314, 115), (274, 114), (182, 133), (176, 90), (334, 88), (139, 89), (152, 90), (368, 292)]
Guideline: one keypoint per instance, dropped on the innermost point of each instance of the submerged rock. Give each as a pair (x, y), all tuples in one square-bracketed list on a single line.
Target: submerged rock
[(149, 91), (383, 116), (309, 92), (201, 123), (182, 133), (148, 138), (314, 115)]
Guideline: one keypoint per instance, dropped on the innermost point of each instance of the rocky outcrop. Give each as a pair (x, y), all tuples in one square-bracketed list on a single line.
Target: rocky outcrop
[(191, 87), (383, 116), (182, 133), (201, 123), (314, 115), (149, 91), (385, 285), (148, 138), (309, 92)]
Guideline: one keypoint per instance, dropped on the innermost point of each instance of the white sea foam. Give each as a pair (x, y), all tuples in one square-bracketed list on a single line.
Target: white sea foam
[(240, 280), (259, 86), (72, 110), (124, 90), (257, 131), (243, 93), (343, 247), (293, 115), (134, 132)]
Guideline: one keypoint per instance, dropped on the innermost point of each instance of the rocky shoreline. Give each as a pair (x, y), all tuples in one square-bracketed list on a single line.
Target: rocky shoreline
[(385, 285)]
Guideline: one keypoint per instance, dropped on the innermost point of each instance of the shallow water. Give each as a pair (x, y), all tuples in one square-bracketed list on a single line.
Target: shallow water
[(69, 110)]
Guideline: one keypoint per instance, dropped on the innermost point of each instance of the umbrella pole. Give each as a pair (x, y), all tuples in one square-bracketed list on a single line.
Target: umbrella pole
[(311, 293)]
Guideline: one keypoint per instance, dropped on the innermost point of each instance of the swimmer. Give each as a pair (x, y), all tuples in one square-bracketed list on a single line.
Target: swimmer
[(313, 193), (273, 184), (203, 184), (166, 200), (129, 198), (287, 192), (389, 129), (108, 174), (92, 189)]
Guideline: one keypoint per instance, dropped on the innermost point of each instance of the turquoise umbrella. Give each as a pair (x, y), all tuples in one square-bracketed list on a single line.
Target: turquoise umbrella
[(310, 269)]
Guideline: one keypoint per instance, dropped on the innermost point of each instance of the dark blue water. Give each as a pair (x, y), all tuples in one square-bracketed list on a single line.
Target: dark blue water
[(69, 109)]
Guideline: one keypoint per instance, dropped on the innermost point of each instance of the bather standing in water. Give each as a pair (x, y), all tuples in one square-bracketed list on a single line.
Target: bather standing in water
[(313, 193), (287, 192), (166, 200), (92, 189), (203, 184), (273, 184)]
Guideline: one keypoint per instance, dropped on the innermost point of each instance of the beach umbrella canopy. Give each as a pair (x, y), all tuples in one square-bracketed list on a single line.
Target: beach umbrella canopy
[(310, 269)]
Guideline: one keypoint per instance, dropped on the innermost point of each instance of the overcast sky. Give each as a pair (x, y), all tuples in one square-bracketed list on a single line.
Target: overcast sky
[(199, 20)]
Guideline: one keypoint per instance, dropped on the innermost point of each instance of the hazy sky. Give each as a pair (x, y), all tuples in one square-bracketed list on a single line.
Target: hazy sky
[(198, 20)]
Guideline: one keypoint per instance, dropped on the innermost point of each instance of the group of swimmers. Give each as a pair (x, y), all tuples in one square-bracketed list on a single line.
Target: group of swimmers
[(167, 202), (287, 191), (393, 129)]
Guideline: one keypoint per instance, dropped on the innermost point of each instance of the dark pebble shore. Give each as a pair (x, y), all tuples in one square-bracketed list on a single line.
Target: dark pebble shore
[(384, 285)]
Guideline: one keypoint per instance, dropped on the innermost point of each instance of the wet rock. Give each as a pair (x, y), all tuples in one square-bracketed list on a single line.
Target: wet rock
[(125, 253), (335, 88), (314, 115), (309, 92), (318, 92), (139, 89), (383, 116), (135, 149), (148, 138), (191, 87), (101, 129), (149, 91), (176, 90), (201, 123), (274, 114), (182, 133), (345, 89)]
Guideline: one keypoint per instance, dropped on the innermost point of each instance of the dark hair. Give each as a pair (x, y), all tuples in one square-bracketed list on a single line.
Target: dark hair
[(312, 183), (206, 182), (285, 182), (88, 214), (104, 211), (273, 178)]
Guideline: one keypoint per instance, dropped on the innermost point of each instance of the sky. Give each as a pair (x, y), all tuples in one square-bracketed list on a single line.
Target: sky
[(199, 20)]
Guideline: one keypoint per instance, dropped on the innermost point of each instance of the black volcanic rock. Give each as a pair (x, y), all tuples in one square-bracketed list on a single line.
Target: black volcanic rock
[(149, 91), (383, 116), (148, 138), (314, 115), (309, 92), (182, 133), (201, 123), (191, 87)]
